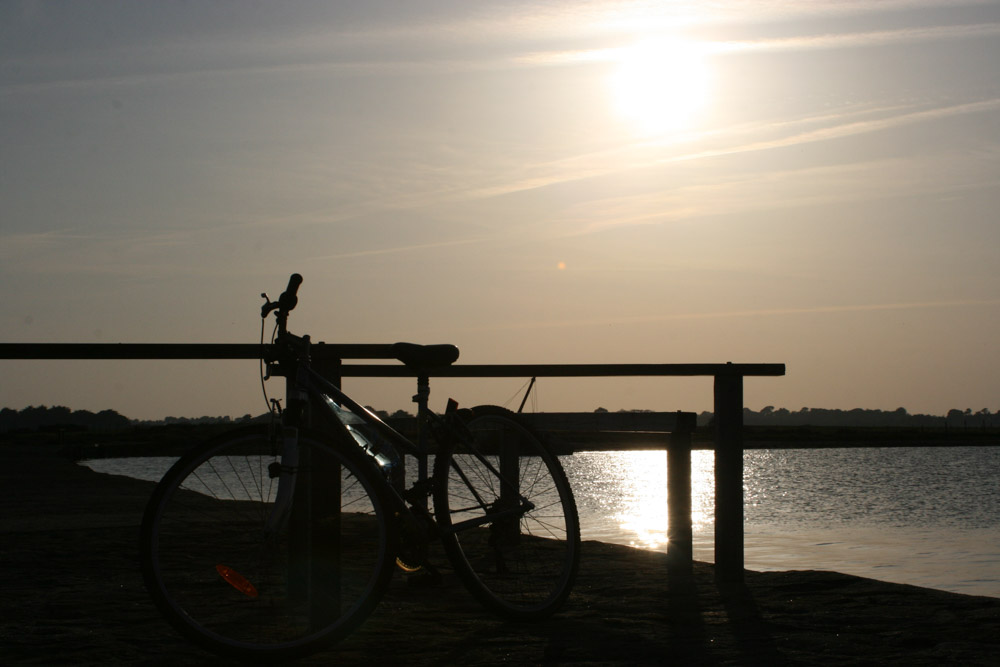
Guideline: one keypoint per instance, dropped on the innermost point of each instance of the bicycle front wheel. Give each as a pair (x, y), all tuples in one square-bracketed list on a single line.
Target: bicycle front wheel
[(252, 572), (508, 517)]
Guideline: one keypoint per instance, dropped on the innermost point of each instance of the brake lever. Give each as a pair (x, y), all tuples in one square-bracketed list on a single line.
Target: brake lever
[(268, 306)]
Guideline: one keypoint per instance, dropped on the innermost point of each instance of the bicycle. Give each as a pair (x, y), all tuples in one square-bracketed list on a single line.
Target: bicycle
[(275, 541)]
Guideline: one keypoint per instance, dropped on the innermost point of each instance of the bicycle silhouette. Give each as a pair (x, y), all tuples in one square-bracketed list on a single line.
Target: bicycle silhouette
[(271, 542)]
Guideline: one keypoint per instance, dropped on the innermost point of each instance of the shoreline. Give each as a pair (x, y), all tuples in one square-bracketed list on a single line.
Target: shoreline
[(959, 560), (73, 594)]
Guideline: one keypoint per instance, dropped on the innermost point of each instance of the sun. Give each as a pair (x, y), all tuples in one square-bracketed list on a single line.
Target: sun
[(660, 86)]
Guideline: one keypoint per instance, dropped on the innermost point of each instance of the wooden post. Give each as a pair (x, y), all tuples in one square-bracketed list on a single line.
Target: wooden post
[(325, 541), (509, 450), (299, 531), (322, 477), (679, 532), (329, 368), (729, 478)]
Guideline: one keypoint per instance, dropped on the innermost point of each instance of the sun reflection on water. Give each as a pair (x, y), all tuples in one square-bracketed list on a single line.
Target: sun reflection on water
[(703, 491), (643, 501), (625, 494)]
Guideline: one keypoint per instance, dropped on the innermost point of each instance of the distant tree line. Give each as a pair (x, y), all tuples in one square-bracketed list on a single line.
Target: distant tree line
[(168, 421), (42, 418), (899, 418), (59, 417)]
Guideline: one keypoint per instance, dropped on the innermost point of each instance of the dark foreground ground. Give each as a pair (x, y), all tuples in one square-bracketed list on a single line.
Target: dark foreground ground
[(71, 594)]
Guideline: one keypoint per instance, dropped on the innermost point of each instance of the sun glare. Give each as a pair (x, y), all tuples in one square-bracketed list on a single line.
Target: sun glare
[(660, 86), (643, 498)]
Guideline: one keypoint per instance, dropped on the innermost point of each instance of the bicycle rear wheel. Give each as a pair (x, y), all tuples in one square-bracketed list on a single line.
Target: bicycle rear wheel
[(521, 565), (245, 576)]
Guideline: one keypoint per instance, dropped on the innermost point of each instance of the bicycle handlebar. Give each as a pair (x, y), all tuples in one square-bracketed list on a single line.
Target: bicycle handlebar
[(289, 298), (285, 303)]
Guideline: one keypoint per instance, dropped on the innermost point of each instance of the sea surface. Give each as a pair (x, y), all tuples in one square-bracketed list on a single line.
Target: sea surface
[(928, 516)]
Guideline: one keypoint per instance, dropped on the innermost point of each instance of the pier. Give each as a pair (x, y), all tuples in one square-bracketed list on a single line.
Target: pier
[(330, 359)]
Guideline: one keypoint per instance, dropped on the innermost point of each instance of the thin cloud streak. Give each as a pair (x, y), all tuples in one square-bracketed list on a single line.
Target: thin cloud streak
[(849, 129), (816, 310), (815, 186), (368, 68), (860, 39), (802, 43), (397, 249), (743, 314), (601, 164), (334, 51)]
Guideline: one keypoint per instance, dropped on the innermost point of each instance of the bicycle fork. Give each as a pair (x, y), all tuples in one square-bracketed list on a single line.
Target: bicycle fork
[(286, 472), (285, 443)]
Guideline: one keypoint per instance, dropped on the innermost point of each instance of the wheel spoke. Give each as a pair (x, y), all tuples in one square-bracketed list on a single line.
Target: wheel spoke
[(234, 584), (521, 566)]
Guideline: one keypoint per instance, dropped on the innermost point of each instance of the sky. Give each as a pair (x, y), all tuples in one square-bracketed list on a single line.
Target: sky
[(807, 183)]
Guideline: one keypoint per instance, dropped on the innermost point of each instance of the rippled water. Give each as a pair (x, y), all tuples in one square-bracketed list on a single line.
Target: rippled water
[(924, 516)]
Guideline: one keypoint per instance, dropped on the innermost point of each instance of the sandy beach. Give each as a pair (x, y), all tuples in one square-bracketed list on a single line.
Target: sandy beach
[(72, 594)]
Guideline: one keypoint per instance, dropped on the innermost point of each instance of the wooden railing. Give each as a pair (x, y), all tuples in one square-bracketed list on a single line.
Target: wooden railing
[(728, 399)]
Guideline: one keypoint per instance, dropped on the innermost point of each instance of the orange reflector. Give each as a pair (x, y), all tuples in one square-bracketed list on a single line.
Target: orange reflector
[(236, 580)]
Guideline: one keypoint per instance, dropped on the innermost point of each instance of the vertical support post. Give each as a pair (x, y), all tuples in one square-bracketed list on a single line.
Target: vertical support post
[(321, 502), (330, 370), (299, 531), (423, 437), (679, 531), (324, 548), (509, 450), (729, 478)]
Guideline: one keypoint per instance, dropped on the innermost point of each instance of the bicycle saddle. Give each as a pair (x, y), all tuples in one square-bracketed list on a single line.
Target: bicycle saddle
[(413, 354)]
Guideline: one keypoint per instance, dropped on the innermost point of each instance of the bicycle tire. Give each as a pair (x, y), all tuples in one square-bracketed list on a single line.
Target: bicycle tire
[(522, 569), (223, 583)]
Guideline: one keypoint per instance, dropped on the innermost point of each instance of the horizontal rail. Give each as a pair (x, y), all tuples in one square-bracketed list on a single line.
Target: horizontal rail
[(180, 351), (616, 422), (566, 370), (334, 351)]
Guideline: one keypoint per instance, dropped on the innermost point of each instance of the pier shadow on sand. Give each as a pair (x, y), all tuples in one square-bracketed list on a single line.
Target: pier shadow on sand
[(73, 594)]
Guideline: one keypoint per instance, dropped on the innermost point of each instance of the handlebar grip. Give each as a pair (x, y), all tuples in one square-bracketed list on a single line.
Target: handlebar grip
[(289, 297), (293, 284)]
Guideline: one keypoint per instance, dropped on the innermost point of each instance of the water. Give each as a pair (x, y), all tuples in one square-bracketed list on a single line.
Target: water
[(923, 516)]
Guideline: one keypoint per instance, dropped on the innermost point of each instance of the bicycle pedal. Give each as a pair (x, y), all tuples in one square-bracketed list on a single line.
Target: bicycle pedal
[(419, 492)]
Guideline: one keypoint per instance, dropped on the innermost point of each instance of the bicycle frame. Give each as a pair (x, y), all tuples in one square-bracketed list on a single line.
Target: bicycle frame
[(306, 386)]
